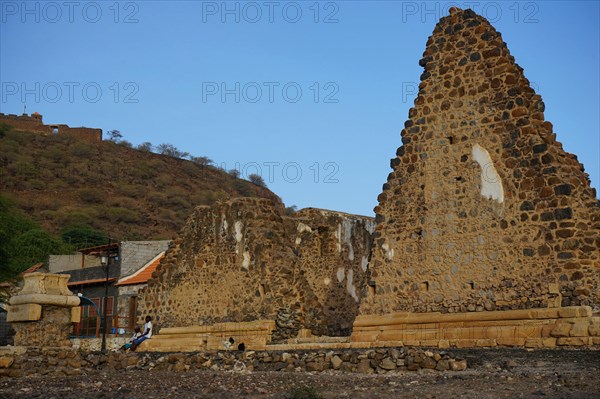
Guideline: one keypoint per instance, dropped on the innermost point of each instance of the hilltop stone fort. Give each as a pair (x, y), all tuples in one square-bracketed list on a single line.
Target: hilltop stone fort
[(486, 233), (34, 123)]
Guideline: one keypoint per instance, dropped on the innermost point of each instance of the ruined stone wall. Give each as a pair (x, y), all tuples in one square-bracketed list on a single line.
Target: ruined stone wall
[(32, 123), (53, 329), (86, 134), (483, 209), (243, 260), (35, 124), (333, 256)]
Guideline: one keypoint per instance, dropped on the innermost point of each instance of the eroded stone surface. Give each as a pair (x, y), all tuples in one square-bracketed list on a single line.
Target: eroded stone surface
[(52, 329), (483, 210), (42, 311), (244, 260)]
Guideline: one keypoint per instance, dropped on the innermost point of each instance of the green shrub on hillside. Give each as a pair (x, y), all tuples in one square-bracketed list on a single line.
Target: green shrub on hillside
[(4, 129), (23, 242), (61, 181), (243, 188), (146, 146), (83, 236), (91, 195), (118, 215), (24, 169), (122, 202), (74, 216), (130, 190), (84, 150), (257, 179)]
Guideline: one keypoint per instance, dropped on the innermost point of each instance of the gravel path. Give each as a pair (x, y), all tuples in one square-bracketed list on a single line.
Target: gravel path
[(493, 374)]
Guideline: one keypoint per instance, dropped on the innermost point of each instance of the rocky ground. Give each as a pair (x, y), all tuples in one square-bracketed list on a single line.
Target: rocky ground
[(491, 374)]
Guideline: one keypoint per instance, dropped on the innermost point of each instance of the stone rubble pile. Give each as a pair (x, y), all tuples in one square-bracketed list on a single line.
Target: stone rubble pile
[(61, 361)]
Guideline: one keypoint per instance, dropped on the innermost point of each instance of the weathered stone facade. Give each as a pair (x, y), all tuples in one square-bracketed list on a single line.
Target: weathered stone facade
[(243, 260), (52, 329), (43, 311), (483, 210), (33, 123)]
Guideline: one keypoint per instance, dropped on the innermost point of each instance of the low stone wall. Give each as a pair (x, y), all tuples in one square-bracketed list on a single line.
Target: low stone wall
[(95, 344), (530, 328), (17, 362), (255, 335)]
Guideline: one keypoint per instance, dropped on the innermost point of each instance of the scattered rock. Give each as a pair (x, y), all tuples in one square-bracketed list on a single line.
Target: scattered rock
[(458, 365), (387, 364), (336, 362)]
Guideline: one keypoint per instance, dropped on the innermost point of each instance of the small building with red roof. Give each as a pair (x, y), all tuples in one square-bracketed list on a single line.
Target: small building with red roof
[(130, 265)]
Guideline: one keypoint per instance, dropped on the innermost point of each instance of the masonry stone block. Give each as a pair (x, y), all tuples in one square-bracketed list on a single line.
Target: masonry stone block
[(25, 312)]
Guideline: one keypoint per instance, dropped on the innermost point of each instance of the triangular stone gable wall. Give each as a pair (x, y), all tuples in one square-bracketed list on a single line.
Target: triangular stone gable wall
[(483, 210)]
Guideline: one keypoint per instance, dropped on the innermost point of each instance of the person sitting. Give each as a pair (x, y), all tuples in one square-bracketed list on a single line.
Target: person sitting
[(137, 333), (146, 335), (228, 344)]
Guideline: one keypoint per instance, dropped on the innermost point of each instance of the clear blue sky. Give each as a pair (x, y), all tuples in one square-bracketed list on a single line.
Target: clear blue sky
[(161, 67)]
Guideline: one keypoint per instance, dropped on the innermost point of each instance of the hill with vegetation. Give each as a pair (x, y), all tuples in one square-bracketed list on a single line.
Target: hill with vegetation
[(81, 194)]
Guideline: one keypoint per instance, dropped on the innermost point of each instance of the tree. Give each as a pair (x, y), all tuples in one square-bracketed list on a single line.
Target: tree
[(125, 143), (258, 180), (290, 210), (83, 236), (114, 136), (35, 245), (145, 146), (22, 242), (4, 128), (202, 161), (171, 151), (234, 173)]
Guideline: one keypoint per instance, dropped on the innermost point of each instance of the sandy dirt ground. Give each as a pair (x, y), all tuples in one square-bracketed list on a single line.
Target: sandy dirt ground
[(491, 374)]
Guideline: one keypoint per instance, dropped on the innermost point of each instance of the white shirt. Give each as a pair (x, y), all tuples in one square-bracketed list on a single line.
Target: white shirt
[(135, 335), (148, 327)]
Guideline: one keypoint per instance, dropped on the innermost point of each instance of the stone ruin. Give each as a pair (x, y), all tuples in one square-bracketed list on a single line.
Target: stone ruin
[(483, 210), (486, 231), (34, 124), (244, 261), (43, 311)]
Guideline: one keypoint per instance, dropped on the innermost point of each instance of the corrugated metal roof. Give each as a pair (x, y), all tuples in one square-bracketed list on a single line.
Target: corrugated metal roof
[(144, 273), (99, 249), (34, 268)]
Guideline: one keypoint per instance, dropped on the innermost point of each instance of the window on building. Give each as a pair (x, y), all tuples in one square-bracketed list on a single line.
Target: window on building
[(110, 305), (92, 309)]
